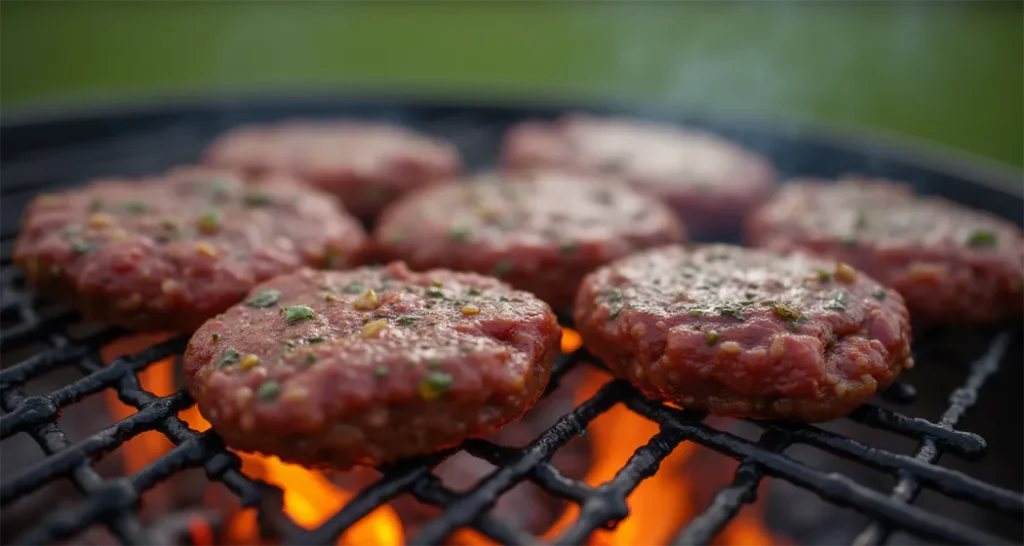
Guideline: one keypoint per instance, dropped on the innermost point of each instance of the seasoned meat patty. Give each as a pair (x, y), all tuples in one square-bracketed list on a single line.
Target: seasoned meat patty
[(745, 332), (370, 365), (168, 252), (950, 263), (709, 181), (540, 231), (365, 164)]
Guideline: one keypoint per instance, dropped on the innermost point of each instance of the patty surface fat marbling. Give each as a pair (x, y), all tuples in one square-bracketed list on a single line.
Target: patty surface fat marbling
[(168, 252), (367, 165), (745, 332), (540, 231), (952, 264), (370, 365), (710, 181)]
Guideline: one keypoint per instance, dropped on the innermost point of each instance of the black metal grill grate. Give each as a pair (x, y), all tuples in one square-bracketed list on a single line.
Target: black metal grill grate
[(113, 502)]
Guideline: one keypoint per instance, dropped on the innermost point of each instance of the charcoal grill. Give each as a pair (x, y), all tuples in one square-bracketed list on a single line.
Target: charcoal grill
[(45, 151)]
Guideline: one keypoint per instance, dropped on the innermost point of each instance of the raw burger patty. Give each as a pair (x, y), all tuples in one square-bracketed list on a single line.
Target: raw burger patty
[(168, 252), (365, 164), (370, 365), (541, 232), (745, 332), (709, 181), (950, 263)]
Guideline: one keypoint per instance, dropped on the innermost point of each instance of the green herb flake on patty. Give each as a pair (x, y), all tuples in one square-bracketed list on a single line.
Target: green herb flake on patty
[(434, 385), (298, 313), (227, 358), (982, 238), (263, 299)]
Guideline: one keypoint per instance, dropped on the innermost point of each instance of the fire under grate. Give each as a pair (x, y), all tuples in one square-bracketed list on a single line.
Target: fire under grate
[(114, 502)]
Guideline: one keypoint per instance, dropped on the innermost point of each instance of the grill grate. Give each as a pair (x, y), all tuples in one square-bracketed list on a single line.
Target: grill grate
[(113, 502)]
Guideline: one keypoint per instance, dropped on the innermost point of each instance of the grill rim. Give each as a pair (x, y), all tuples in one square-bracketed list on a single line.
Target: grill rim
[(121, 492), (908, 149)]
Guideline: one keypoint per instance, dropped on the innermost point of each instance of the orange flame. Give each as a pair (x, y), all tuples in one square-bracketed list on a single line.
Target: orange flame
[(659, 506), (157, 378), (309, 497)]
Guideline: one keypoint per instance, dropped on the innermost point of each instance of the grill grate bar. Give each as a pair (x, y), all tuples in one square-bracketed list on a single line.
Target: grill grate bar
[(430, 490), (394, 483), (728, 501), (477, 132), (833, 487), (608, 504), (929, 452), (968, 445), (948, 482), (51, 439), (482, 497)]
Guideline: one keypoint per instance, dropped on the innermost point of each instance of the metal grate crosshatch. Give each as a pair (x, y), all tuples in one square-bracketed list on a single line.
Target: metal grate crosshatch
[(152, 141)]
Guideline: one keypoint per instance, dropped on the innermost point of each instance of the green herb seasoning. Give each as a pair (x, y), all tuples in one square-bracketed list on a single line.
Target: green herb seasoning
[(614, 311), (268, 391), (435, 292), (227, 358), (785, 311), (474, 291), (879, 295), (134, 207), (711, 337), (310, 357), (696, 313), (316, 339), (614, 295), (209, 221), (81, 247), (263, 299), (406, 320), (435, 385), (734, 311), (289, 343), (502, 268), (381, 371), (837, 300), (256, 199), (215, 337), (503, 298), (297, 313), (459, 234), (824, 276), (982, 238)]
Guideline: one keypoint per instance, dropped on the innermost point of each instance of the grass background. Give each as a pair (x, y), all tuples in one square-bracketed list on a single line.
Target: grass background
[(946, 72)]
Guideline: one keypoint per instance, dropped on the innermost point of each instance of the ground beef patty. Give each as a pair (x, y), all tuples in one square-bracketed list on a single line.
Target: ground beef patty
[(709, 181), (169, 252), (950, 263), (365, 164), (370, 365), (540, 231), (745, 332)]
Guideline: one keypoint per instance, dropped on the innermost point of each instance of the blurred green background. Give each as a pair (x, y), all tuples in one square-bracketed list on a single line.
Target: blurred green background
[(946, 72)]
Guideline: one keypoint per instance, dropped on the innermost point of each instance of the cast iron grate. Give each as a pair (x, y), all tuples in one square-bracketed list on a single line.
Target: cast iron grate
[(113, 502)]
